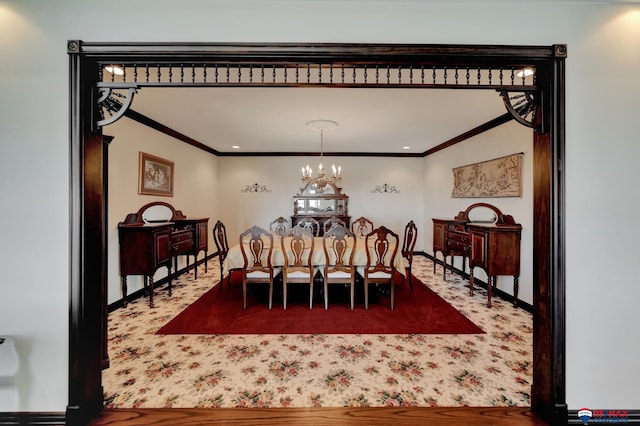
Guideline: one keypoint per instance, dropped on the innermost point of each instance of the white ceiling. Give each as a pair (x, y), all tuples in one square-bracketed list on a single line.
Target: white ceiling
[(273, 119)]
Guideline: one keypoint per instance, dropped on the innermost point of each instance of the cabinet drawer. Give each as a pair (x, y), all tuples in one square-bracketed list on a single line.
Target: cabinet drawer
[(458, 247), (461, 237), (178, 237), (181, 247)]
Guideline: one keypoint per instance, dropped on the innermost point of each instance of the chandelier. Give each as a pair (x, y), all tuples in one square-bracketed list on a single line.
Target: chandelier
[(321, 181)]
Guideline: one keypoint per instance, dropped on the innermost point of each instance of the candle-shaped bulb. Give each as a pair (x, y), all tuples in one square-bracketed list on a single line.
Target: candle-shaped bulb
[(339, 170), (333, 168)]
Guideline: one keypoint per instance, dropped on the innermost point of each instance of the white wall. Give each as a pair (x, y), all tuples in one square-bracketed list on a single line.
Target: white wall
[(603, 95), (360, 175), (195, 189), (510, 138)]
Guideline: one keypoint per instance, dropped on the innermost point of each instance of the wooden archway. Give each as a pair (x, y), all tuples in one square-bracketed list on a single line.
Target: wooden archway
[(390, 65)]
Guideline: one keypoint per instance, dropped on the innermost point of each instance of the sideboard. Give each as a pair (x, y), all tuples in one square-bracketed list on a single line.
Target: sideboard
[(487, 237), (153, 238)]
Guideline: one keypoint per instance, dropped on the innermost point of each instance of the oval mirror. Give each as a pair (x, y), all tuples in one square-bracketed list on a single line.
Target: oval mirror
[(157, 213), (482, 214)]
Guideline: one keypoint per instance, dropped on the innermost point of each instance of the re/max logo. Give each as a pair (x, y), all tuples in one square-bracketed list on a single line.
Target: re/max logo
[(609, 413)]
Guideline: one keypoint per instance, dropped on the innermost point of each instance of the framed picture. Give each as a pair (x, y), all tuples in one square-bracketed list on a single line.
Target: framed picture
[(155, 175)]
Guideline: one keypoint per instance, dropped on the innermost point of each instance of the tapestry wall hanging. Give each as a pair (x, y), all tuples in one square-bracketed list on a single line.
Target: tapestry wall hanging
[(500, 177)]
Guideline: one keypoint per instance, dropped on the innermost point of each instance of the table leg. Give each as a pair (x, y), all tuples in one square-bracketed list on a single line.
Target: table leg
[(471, 281), (515, 291)]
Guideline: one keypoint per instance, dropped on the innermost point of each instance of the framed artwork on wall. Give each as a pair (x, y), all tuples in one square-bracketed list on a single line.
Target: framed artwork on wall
[(500, 177), (155, 175)]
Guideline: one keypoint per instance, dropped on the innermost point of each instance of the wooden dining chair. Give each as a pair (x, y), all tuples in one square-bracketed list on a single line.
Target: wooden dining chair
[(338, 244), (222, 244), (331, 222), (280, 226), (297, 250), (409, 242), (256, 245), (381, 248), (361, 227), (311, 224)]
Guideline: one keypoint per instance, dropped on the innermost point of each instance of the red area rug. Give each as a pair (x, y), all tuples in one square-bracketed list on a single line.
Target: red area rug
[(419, 312)]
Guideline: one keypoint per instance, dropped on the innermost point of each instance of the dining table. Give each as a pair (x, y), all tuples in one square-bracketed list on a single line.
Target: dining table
[(235, 260)]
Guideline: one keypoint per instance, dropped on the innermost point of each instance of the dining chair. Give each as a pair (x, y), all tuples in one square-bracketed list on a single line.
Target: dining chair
[(381, 248), (361, 227), (297, 250), (280, 226), (409, 242), (338, 244), (256, 245), (222, 244), (331, 222), (311, 224)]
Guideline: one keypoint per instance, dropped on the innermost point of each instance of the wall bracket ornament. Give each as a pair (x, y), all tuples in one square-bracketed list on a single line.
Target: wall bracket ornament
[(385, 189), (113, 101), (255, 187), (523, 107)]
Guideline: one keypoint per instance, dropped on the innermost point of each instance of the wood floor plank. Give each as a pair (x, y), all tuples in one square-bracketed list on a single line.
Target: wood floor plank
[(468, 416)]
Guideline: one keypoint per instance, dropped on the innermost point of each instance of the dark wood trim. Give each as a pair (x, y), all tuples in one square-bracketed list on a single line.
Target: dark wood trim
[(317, 154), (33, 418), (505, 118), (87, 189), (143, 119), (88, 247), (359, 53)]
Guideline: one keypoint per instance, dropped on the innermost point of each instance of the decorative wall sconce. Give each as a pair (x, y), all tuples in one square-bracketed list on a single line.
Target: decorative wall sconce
[(256, 187), (385, 189)]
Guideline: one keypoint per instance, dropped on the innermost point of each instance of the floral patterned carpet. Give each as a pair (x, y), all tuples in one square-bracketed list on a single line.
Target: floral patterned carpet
[(318, 370)]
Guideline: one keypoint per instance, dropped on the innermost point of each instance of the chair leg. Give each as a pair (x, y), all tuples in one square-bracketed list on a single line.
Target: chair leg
[(352, 293), (366, 294), (244, 293), (408, 272), (393, 293), (311, 294), (284, 293), (270, 294), (326, 295)]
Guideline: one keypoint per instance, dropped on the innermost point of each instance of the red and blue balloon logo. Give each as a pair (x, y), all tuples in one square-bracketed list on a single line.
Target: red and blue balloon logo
[(585, 415)]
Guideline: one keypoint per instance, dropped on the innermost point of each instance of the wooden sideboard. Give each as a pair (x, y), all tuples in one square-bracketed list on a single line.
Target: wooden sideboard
[(488, 238), (153, 238)]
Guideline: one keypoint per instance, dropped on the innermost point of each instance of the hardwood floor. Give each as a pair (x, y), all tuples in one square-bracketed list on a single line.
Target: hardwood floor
[(511, 416)]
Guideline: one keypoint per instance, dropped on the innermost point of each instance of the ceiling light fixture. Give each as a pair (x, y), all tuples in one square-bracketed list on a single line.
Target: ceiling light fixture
[(114, 69), (526, 72), (321, 181)]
